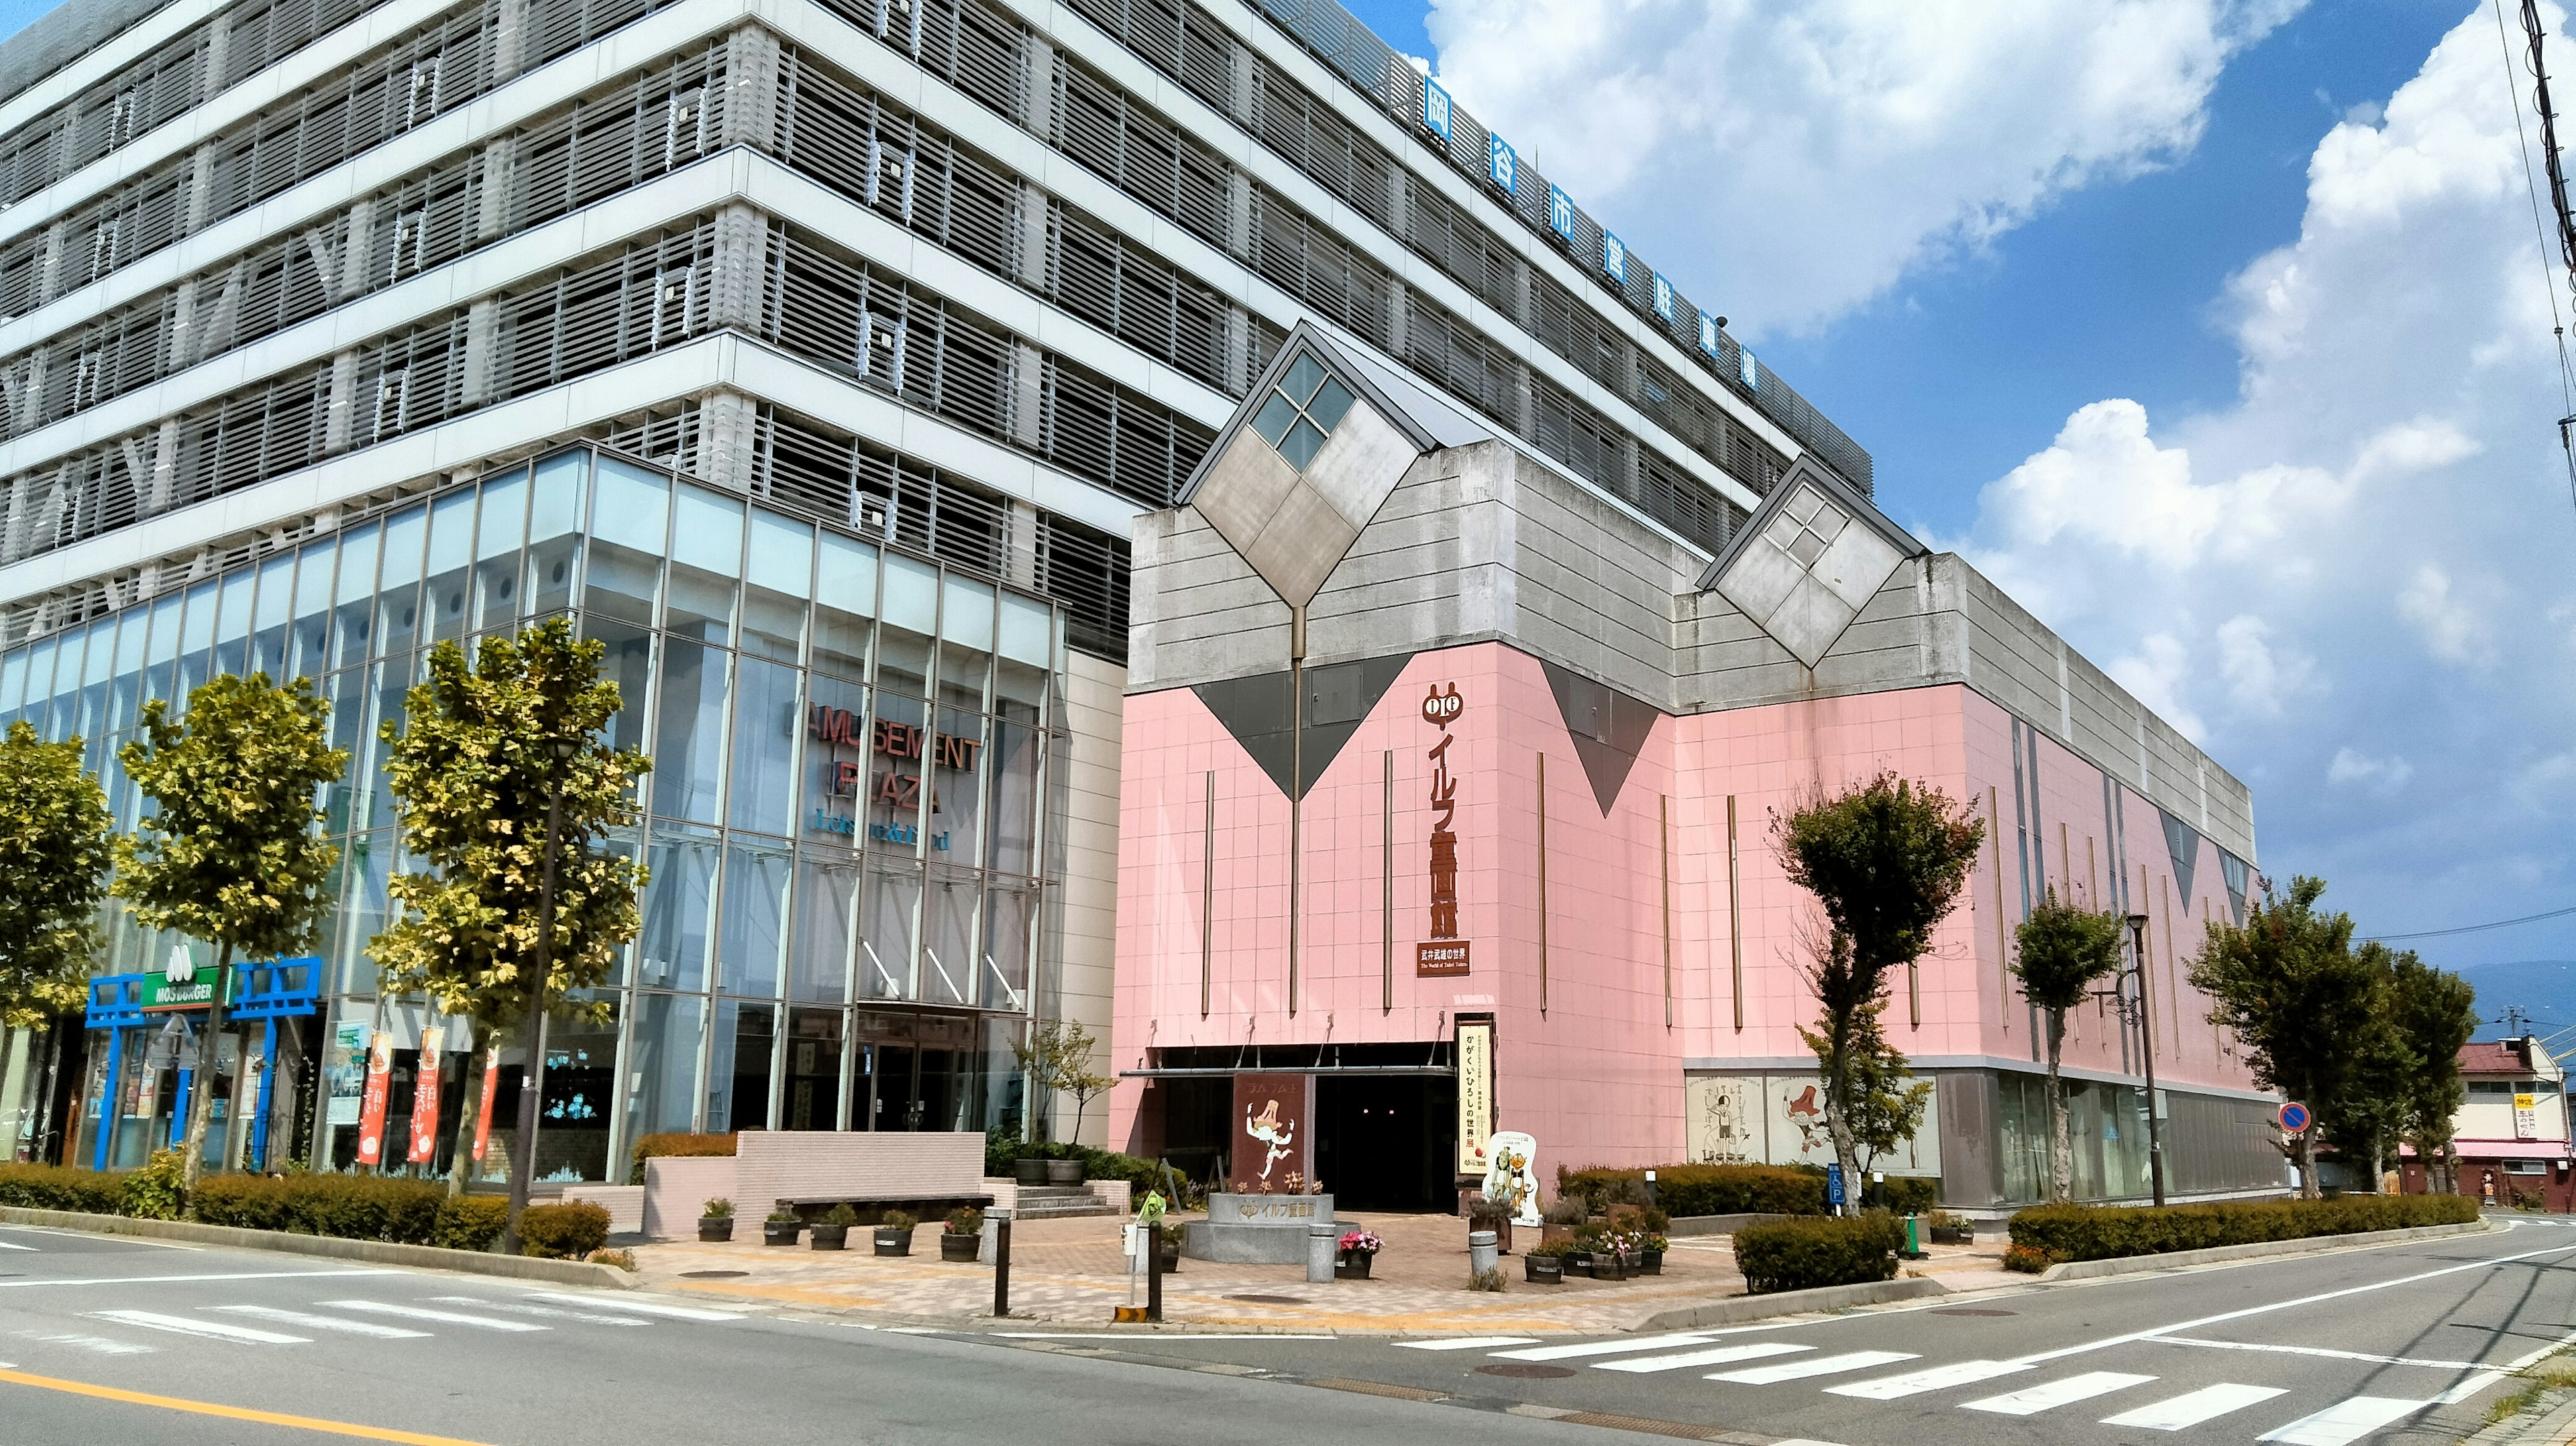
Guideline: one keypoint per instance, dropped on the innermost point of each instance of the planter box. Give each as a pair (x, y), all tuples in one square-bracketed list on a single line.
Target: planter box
[(715, 1229), (831, 1237), (959, 1249), (1171, 1259), (1953, 1235), (1574, 1262), (1606, 1266), (1029, 1170), (780, 1232), (1064, 1172), (1650, 1262), (894, 1242), (1543, 1269), (1353, 1265), (1256, 1229)]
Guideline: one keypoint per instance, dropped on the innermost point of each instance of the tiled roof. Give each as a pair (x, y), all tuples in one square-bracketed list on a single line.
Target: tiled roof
[(2493, 1057)]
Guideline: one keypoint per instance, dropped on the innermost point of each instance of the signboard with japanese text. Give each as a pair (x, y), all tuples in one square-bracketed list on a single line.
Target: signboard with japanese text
[(424, 1097), (1475, 1095)]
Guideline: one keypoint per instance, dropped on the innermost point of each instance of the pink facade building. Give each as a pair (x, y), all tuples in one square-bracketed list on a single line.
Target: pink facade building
[(1522, 827)]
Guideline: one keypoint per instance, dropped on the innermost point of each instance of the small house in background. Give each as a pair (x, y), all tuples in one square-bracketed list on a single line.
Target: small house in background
[(2511, 1132)]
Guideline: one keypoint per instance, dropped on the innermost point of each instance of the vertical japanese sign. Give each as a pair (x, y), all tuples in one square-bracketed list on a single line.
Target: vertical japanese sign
[(1444, 952), (483, 1111), (2526, 1117), (1475, 1094), (424, 1096), (348, 1072), (371, 1116)]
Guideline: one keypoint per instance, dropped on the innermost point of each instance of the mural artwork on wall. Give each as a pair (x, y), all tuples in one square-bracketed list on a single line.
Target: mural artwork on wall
[(1271, 1148), (1721, 1126), (1444, 953)]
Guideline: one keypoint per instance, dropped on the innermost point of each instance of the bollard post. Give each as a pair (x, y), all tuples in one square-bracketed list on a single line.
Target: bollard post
[(1483, 1253), (1321, 1236), (1154, 1271), (1000, 1220)]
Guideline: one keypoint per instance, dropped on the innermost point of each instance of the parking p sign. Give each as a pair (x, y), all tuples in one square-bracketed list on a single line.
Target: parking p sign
[(2294, 1117)]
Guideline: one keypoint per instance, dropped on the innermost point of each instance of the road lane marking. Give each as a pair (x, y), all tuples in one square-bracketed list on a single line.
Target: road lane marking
[(1817, 1366), (641, 1307), (210, 1330), (14, 1377), (415, 1312), (2253, 1310), (550, 1311), (1467, 1343), (2344, 1421), (1715, 1356), (2193, 1407), (12, 1245), (1931, 1378), (325, 1322), (174, 1279), (2319, 1351), (2031, 1400), (1601, 1348), (101, 1344)]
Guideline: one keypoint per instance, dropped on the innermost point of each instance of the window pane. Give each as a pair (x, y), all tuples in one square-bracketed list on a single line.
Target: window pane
[(268, 617), (754, 944), (738, 1079), (673, 950), (911, 594), (554, 529), (967, 614), (688, 746), (811, 1096), (1014, 768), (451, 558), (1027, 631), (763, 796), (398, 593), (836, 760), (662, 1064), (310, 657), (1329, 405), (160, 668), (496, 550), (629, 664), (706, 561), (898, 745), (1304, 375), (127, 688), (827, 902), (232, 623), (631, 515), (369, 865), (845, 589), (1274, 419), (393, 680), (956, 768), (40, 685), (354, 596), (581, 1064), (1005, 952), (949, 907), (196, 641), (347, 690), (885, 948)]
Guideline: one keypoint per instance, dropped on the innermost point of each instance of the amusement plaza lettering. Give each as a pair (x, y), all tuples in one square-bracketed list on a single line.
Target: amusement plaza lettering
[(896, 790), (1445, 952)]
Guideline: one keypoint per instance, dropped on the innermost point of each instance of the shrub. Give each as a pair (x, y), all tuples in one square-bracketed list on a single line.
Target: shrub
[(2108, 1232), (965, 1220), (677, 1143), (1683, 1190), (1904, 1194), (154, 1192), (1805, 1254), (61, 1187), (2028, 1259), (718, 1208), (1001, 1151), (567, 1231), (842, 1215), (470, 1222), (622, 1259), (895, 1220), (785, 1214), (1486, 1279), (351, 1207)]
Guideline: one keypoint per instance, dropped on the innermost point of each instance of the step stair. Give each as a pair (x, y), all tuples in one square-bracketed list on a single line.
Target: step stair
[(1057, 1202)]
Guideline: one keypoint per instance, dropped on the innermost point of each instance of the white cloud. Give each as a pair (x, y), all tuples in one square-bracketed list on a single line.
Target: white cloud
[(2354, 571), (1827, 147), (2379, 775)]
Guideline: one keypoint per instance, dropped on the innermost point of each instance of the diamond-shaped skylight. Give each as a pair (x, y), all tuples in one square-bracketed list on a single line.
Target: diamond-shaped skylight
[(1302, 411)]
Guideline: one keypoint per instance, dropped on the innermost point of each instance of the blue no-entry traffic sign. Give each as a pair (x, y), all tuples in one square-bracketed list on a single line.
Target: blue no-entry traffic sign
[(2294, 1117)]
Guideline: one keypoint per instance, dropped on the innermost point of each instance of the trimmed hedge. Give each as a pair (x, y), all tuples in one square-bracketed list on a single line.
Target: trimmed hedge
[(563, 1232), (1806, 1254), (1703, 1189), (61, 1187), (1002, 1151), (678, 1143), (2109, 1232)]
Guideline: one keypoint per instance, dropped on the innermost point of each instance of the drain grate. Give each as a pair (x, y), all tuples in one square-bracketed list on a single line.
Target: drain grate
[(712, 1274), (1524, 1370), (1968, 1310), (1269, 1299)]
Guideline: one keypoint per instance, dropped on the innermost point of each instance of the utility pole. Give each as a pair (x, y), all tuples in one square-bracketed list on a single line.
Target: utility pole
[(2147, 1047)]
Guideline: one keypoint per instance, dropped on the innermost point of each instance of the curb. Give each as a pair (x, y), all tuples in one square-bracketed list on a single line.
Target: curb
[(372, 1252), (2548, 1424), (1735, 1310), (2256, 1250)]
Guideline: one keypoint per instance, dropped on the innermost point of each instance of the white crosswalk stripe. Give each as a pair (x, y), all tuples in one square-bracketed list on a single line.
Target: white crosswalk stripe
[(640, 1307), (310, 1321), (1930, 1378), (1812, 1366), (551, 1312), (210, 1330), (1467, 1343), (1714, 1356), (2032, 1400), (2193, 1407), (2344, 1421), (450, 1317), (102, 1345), (1603, 1348)]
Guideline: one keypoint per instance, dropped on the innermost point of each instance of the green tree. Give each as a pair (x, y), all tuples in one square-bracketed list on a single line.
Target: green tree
[(496, 757), (1888, 1103), (2304, 1005), (1887, 859), (2366, 1119), (2062, 951), (53, 875), (230, 853), (1058, 1056), (2435, 1012)]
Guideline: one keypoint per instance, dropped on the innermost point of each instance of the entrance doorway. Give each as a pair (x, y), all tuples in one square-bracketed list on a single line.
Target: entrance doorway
[(1387, 1141)]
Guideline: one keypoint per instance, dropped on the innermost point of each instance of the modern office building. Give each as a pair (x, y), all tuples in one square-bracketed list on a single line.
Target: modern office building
[(829, 360)]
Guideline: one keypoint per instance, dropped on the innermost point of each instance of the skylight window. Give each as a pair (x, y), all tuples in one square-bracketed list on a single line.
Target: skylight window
[(1302, 411)]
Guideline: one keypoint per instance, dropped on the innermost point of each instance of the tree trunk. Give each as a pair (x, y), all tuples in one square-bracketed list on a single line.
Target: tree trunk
[(2308, 1163), (201, 1088), (1838, 1125), (2061, 1140), (472, 1087), (9, 1146), (523, 1148)]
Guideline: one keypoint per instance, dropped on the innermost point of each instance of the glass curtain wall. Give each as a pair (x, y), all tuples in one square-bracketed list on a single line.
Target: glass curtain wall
[(843, 822)]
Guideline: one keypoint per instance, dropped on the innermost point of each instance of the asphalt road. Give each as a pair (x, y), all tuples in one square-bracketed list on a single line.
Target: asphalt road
[(116, 1341)]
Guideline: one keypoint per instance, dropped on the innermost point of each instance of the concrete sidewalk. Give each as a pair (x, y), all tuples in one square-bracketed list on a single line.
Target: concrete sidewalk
[(1073, 1272)]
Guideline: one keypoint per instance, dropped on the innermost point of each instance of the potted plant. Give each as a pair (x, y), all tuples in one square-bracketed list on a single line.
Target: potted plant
[(715, 1222), (1484, 1214), (1544, 1264), (1949, 1228), (1358, 1249), (782, 1227), (1064, 1172), (1030, 1169), (1560, 1221), (964, 1237), (894, 1233), (1650, 1253), (1171, 1236), (832, 1232)]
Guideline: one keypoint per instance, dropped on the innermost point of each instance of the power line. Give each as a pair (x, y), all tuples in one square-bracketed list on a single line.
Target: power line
[(2471, 928), (2558, 202)]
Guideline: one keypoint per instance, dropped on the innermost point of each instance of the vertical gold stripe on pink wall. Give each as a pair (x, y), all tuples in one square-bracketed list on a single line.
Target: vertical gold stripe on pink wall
[(1542, 883), (2003, 925), (1735, 912)]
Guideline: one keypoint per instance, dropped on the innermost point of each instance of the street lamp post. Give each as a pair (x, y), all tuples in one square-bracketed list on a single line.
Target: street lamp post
[(2147, 1046), (523, 1150)]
